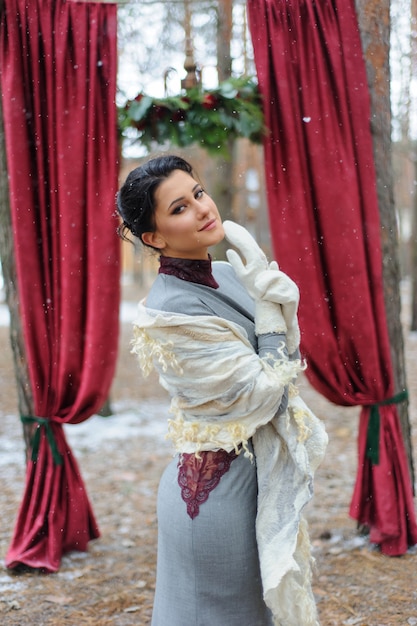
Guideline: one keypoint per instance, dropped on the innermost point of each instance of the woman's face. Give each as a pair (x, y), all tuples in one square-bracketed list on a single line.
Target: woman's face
[(186, 218)]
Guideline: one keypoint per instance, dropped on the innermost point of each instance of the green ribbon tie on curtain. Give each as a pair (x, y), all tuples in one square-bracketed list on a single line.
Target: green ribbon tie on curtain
[(372, 437), (46, 423)]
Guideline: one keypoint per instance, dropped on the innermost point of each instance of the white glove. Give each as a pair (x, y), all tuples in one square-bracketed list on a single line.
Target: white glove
[(256, 261), (268, 315), (278, 287), (266, 284)]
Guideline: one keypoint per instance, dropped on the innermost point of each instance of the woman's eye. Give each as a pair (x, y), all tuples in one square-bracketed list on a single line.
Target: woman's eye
[(199, 193), (178, 209)]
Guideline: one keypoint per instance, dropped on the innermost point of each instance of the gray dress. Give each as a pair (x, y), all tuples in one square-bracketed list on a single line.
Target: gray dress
[(207, 567)]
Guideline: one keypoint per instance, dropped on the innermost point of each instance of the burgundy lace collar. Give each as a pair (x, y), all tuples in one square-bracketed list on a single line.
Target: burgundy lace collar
[(193, 270)]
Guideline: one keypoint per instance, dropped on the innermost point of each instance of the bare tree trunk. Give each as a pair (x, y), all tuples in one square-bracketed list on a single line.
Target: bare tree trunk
[(374, 25), (413, 244), (223, 191), (224, 36), (10, 281)]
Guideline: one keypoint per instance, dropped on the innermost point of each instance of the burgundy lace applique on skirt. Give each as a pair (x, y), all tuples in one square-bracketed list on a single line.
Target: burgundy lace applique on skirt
[(197, 477)]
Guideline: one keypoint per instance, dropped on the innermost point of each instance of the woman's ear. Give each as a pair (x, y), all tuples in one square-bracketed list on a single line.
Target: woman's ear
[(153, 240)]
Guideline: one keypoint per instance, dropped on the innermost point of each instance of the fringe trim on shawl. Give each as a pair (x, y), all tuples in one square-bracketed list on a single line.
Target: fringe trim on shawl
[(293, 602), (301, 416), (181, 432), (149, 350), (234, 434)]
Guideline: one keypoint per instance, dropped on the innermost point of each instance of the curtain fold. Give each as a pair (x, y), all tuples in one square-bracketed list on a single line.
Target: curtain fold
[(325, 231), (58, 74)]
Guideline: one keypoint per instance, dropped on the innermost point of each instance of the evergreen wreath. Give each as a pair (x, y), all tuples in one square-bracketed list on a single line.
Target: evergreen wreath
[(209, 117)]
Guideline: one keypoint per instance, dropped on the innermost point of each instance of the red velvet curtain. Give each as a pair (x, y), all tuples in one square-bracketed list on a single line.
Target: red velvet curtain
[(58, 73), (325, 231)]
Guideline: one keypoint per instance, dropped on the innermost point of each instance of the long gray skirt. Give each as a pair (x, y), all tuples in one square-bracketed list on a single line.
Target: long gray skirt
[(208, 568)]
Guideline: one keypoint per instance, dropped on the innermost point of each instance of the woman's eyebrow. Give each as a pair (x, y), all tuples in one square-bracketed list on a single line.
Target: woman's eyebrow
[(176, 200), (182, 197)]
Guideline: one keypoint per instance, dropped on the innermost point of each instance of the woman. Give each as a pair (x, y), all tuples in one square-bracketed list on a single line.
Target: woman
[(232, 547)]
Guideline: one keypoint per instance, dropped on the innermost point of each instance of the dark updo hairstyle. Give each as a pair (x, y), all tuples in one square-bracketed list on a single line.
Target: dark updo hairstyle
[(136, 197)]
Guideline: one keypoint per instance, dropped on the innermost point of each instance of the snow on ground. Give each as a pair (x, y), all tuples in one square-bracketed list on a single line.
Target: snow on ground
[(4, 315), (145, 420), (127, 421)]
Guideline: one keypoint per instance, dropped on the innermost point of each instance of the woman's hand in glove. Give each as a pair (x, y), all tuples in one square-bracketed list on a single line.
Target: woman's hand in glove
[(268, 315), (265, 283), (256, 261)]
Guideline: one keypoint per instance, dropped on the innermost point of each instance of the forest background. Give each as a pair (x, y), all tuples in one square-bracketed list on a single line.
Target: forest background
[(151, 42), (215, 33)]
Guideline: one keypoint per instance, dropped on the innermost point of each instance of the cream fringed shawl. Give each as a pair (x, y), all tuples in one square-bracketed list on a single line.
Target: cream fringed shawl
[(223, 394)]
